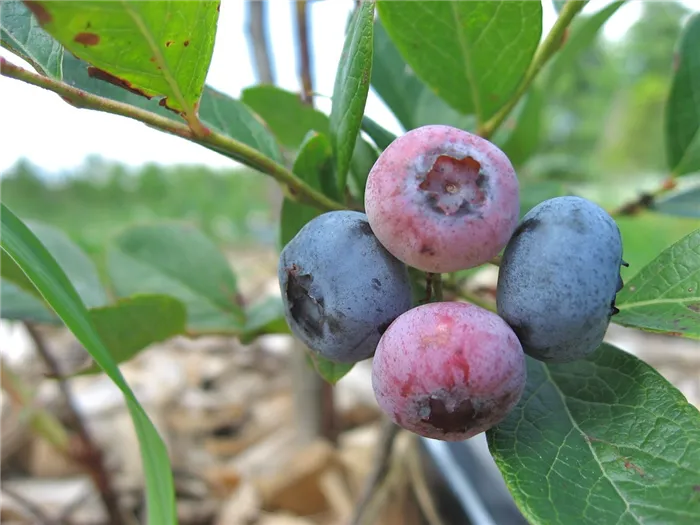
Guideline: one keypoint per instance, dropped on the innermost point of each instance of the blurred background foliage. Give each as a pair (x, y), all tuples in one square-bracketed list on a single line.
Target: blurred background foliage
[(602, 136), (100, 198), (607, 111)]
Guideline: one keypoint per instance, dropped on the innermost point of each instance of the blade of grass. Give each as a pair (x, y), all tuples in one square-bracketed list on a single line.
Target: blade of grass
[(18, 241)]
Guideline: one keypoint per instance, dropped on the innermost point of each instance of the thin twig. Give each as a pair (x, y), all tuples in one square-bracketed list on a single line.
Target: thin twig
[(645, 200), (424, 496), (304, 55), (41, 422), (73, 506), (381, 469), (257, 39), (551, 44), (298, 189), (30, 506), (89, 455), (394, 480)]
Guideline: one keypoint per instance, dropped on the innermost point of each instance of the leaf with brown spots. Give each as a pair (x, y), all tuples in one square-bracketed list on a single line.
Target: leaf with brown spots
[(602, 440), (665, 295), (87, 39), (119, 38), (21, 34)]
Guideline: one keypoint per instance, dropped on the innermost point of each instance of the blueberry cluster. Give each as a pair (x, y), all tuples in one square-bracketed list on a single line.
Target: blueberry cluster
[(440, 199)]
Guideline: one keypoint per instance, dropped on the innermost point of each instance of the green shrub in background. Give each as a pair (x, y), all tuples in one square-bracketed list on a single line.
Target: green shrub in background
[(603, 440), (100, 198)]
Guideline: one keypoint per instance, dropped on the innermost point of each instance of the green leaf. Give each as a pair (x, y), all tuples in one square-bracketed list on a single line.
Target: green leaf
[(525, 137), (472, 54), (26, 250), (351, 89), (77, 73), (381, 137), (665, 295), (233, 118), (178, 260), (21, 34), (264, 317), (72, 260), (19, 305), (363, 158), (558, 166), (314, 165), (583, 33), (216, 110), (134, 323), (331, 372), (646, 235), (683, 104), (685, 203), (158, 49), (411, 101), (12, 273), (534, 192), (602, 440), (285, 114)]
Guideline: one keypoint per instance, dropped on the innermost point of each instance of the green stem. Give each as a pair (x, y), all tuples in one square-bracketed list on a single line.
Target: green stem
[(228, 146), (437, 287), (551, 44)]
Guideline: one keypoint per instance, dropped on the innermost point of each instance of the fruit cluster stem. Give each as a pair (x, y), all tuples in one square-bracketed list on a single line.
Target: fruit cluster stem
[(437, 287), (551, 44), (298, 189)]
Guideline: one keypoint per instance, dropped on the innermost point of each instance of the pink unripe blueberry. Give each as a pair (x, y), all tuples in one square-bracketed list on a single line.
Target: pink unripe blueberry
[(441, 199), (448, 370)]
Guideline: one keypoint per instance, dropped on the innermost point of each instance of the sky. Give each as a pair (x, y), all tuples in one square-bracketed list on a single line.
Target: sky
[(37, 125)]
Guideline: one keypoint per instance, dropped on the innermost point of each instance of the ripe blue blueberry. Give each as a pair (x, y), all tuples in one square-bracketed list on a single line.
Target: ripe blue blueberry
[(559, 277), (341, 288)]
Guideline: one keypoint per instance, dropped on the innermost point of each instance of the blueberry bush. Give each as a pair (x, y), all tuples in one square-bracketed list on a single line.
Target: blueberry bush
[(377, 231)]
